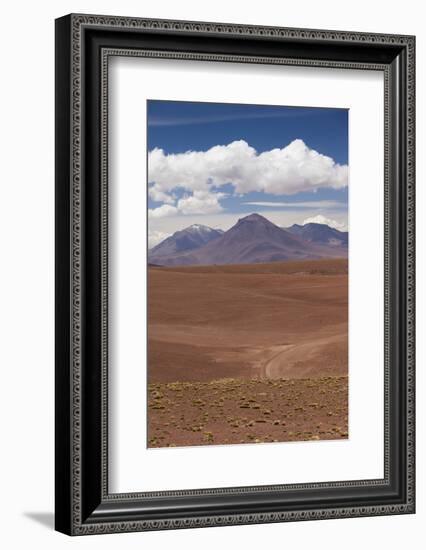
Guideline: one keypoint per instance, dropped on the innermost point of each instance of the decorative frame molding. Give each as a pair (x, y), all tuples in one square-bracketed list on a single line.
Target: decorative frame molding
[(84, 44)]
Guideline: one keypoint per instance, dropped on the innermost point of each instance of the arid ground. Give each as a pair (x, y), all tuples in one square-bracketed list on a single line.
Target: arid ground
[(248, 353)]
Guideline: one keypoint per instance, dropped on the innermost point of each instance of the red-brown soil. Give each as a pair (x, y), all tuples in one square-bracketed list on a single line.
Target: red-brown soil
[(261, 327)]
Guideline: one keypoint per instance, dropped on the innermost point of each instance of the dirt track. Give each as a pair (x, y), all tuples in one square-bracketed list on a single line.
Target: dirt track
[(261, 322)]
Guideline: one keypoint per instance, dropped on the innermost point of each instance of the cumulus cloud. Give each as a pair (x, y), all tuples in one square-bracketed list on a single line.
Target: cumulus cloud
[(326, 221), (157, 195), (287, 171), (162, 211), (200, 202)]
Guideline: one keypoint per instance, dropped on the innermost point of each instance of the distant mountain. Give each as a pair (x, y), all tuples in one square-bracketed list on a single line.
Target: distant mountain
[(253, 239), (190, 238), (320, 233)]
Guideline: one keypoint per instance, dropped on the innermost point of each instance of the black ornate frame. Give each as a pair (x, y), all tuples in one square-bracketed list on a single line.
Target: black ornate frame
[(83, 45)]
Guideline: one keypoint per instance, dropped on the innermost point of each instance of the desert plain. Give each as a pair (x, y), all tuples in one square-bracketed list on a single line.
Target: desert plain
[(248, 353)]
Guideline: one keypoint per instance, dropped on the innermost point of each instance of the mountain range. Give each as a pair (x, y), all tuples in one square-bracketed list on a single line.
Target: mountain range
[(190, 238), (320, 233), (253, 239)]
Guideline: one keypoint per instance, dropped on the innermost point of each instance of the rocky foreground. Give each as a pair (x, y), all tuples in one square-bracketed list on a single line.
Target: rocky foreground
[(230, 411)]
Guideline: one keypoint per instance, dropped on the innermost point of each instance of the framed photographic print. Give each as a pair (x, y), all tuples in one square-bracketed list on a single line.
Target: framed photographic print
[(234, 274)]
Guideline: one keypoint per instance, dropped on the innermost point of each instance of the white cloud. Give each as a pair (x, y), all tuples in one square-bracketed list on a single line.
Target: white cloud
[(162, 211), (292, 169), (326, 221), (157, 195), (200, 202)]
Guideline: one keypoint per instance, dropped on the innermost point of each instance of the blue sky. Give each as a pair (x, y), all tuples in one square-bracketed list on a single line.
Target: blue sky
[(212, 163)]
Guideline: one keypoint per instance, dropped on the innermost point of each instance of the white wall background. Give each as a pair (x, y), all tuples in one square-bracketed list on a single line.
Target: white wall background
[(26, 289)]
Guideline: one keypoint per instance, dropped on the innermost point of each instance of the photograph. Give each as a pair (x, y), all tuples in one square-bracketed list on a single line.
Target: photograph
[(247, 261), (235, 288)]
